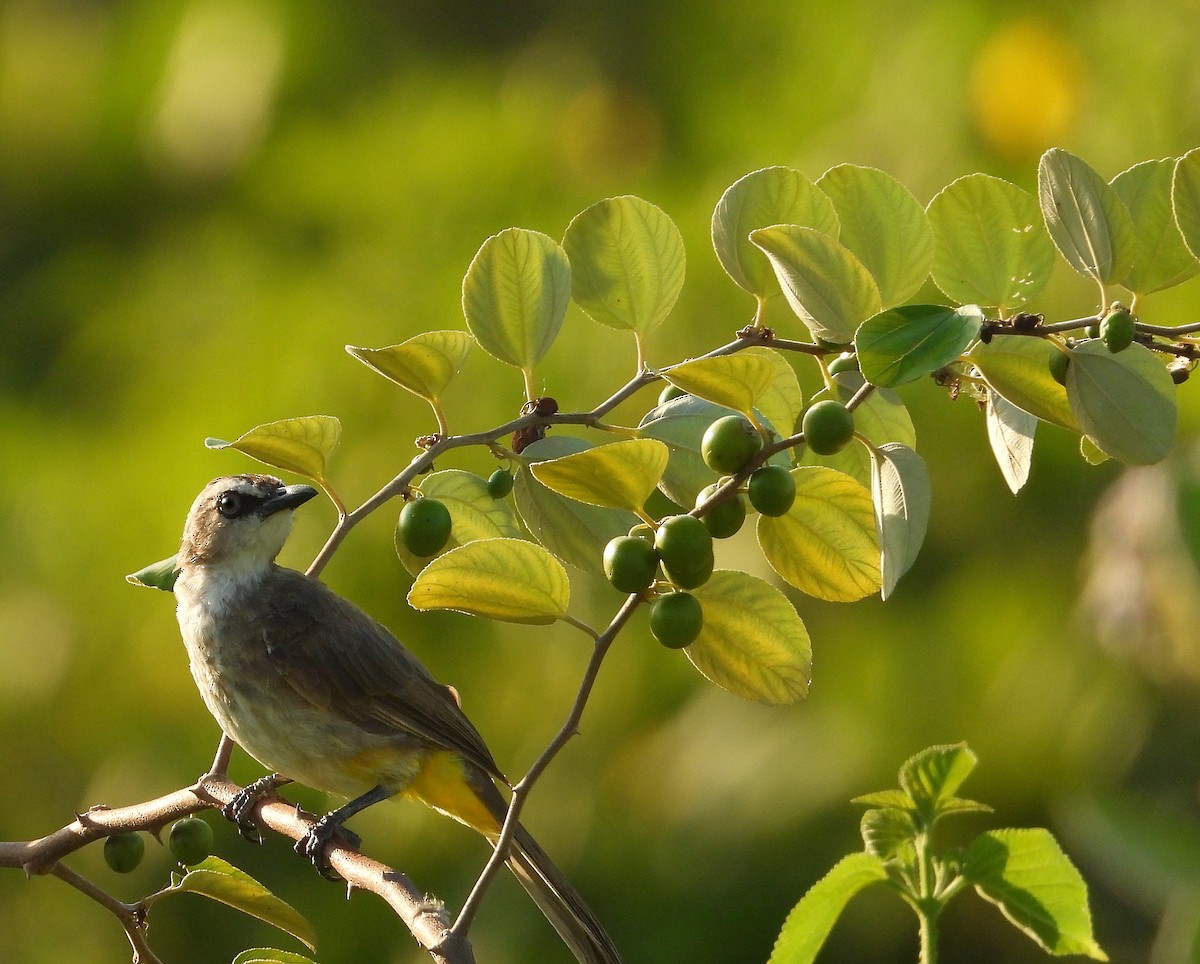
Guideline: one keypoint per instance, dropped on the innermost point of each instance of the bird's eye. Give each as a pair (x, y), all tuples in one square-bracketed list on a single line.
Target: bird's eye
[(229, 504)]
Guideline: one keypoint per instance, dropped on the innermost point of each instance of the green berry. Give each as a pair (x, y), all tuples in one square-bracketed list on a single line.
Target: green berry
[(190, 840), (685, 547), (424, 526), (124, 851), (630, 563), (499, 483), (1117, 330), (827, 426), (676, 619), (845, 362), (729, 443), (1092, 331), (772, 490), (669, 392), (1059, 361), (726, 517)]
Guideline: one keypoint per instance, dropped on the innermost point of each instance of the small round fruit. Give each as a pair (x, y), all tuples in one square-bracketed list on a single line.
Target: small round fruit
[(190, 840), (669, 392), (685, 547), (630, 563), (847, 361), (124, 851), (772, 490), (676, 619), (1059, 362), (827, 426), (1117, 330), (726, 517), (729, 443), (499, 483), (1092, 331), (424, 526)]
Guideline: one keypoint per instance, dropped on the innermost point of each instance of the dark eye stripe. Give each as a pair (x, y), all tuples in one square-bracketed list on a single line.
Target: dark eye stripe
[(234, 505)]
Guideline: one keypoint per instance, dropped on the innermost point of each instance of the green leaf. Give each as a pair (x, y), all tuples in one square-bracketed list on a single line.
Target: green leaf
[(1026, 874), (301, 445), (825, 545), (885, 227), (159, 575), (1087, 221), (270, 955), (753, 643), (1090, 452), (1161, 259), (774, 195), (515, 295), (932, 776), (886, 799), (627, 263), (735, 381), (824, 283), (574, 531), (620, 475), (474, 514), (909, 342), (887, 832), (1011, 432), (810, 921), (782, 401), (424, 365), (1018, 367), (1124, 402), (900, 491), (992, 244), (508, 579), (220, 881), (1185, 199)]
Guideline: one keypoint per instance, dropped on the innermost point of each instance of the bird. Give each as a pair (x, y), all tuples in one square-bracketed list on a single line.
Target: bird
[(320, 693)]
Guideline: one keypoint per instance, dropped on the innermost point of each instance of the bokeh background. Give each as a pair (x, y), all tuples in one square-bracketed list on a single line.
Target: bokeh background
[(203, 201)]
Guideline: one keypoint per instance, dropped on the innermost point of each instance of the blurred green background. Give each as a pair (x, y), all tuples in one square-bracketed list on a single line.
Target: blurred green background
[(202, 202)]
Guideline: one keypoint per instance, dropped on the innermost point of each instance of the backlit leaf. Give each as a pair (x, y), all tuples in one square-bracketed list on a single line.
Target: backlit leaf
[(782, 401), (934, 775), (901, 495), (1161, 259), (735, 381), (627, 263), (424, 365), (753, 643), (1011, 432), (1185, 199), (301, 445), (826, 544), (270, 955), (888, 832), (159, 575), (1018, 368), (620, 475), (509, 579), (774, 195), (909, 342)]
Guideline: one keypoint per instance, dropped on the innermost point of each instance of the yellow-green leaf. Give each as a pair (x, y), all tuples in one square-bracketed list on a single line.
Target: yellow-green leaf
[(753, 643), (627, 263), (826, 544), (620, 475), (1018, 368), (301, 445), (1161, 258), (508, 579), (782, 401), (1185, 199), (270, 955), (158, 575), (424, 365), (736, 381)]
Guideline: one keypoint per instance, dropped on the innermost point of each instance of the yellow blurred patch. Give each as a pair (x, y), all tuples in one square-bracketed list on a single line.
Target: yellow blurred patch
[(1026, 84)]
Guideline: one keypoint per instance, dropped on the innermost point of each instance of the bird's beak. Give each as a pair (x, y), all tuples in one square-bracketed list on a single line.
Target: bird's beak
[(289, 497)]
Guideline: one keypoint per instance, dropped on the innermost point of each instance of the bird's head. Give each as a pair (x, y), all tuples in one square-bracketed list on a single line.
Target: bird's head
[(241, 520)]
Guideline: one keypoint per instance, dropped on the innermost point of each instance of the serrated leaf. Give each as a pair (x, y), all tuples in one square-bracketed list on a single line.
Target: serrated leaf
[(627, 263), (508, 579), (1026, 874), (782, 401), (735, 381), (158, 575), (901, 495), (909, 342), (515, 295), (1161, 259), (885, 227), (1018, 367), (992, 245), (886, 799), (825, 545), (270, 955), (886, 832), (423, 365), (1087, 221), (1185, 199), (221, 881), (1125, 402), (619, 475), (752, 643), (933, 775), (574, 531), (474, 514), (1011, 432), (773, 195), (810, 921), (301, 445), (1090, 452), (827, 287)]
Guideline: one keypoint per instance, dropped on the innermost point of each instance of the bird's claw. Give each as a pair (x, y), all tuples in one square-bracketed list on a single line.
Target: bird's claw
[(240, 810), (312, 844)]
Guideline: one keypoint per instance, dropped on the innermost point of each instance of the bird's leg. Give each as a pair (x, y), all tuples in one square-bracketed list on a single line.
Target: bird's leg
[(312, 844), (241, 808)]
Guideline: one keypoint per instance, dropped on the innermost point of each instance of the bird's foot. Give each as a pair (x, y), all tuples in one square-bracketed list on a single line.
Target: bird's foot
[(240, 810), (312, 844)]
